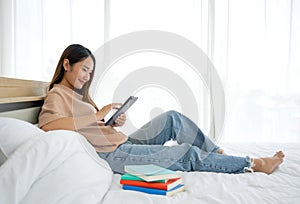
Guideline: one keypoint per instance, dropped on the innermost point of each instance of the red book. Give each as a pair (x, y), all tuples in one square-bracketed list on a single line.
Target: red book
[(171, 183)]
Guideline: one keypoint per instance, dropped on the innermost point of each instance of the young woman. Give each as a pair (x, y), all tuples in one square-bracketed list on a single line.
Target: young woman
[(68, 106)]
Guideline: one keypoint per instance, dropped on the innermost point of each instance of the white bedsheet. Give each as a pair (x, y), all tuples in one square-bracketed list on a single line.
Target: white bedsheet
[(283, 186), (63, 168)]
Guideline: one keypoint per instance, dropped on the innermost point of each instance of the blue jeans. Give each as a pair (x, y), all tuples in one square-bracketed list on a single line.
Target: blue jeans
[(195, 152)]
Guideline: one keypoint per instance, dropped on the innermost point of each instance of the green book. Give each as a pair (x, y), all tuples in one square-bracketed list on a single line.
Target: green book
[(151, 172), (135, 178)]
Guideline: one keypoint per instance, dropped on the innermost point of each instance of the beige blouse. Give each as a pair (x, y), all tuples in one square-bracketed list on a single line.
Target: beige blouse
[(62, 101)]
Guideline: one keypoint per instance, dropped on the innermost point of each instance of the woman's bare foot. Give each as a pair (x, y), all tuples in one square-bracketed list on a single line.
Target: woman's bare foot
[(268, 164), (220, 151)]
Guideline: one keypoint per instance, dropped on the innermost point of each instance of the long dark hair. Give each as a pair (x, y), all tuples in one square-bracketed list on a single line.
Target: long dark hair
[(75, 53)]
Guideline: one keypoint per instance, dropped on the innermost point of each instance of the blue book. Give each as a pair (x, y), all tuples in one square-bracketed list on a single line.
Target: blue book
[(151, 172), (170, 192)]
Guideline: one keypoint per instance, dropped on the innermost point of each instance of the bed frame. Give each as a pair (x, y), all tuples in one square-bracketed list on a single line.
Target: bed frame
[(21, 99)]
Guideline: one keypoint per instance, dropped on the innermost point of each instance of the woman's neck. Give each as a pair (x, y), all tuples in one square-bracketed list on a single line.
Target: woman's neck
[(66, 83)]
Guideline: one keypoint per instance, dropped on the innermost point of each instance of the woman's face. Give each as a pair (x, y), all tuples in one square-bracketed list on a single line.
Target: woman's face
[(78, 74)]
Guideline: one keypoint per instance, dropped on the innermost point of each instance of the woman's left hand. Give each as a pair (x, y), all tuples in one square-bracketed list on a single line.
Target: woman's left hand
[(120, 121)]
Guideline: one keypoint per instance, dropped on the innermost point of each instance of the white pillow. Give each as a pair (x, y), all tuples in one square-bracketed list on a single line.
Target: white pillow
[(13, 133)]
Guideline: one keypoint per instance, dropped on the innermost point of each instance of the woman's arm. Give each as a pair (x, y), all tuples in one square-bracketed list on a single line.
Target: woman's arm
[(75, 123), (70, 123)]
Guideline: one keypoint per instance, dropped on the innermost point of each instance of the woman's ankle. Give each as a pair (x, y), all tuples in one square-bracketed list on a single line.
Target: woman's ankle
[(258, 164), (268, 164)]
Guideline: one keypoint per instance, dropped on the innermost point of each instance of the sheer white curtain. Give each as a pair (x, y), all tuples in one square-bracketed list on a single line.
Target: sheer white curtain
[(253, 45), (188, 18), (262, 69), (35, 32)]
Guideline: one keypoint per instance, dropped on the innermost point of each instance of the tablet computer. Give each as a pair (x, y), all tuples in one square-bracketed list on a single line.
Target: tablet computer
[(122, 109)]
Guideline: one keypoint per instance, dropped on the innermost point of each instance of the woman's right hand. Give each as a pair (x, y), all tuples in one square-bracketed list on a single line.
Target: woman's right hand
[(106, 109)]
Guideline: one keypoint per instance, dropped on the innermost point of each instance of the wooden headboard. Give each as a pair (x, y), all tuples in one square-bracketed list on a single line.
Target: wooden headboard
[(21, 99)]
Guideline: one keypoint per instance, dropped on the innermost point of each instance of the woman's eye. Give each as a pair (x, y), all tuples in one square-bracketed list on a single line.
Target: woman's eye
[(86, 70)]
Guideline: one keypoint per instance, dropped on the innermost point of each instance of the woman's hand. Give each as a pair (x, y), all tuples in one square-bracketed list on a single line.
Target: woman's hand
[(120, 121), (106, 109)]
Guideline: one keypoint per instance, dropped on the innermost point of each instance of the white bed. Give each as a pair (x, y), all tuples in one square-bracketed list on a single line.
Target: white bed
[(62, 167), (283, 186)]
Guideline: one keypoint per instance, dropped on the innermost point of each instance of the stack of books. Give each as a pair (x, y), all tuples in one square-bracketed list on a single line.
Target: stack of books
[(151, 179)]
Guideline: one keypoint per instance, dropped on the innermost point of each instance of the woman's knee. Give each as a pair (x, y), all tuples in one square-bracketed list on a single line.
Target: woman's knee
[(172, 114)]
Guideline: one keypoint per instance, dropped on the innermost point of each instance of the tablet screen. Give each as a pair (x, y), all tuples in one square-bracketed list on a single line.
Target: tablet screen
[(128, 103)]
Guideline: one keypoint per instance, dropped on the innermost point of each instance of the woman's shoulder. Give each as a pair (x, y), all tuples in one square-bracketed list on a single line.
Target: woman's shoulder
[(59, 90)]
